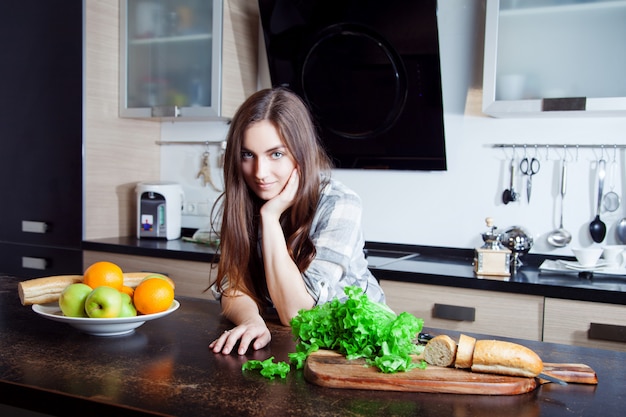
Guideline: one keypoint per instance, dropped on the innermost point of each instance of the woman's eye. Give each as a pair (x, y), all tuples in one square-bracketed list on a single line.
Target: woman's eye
[(246, 155), (277, 155)]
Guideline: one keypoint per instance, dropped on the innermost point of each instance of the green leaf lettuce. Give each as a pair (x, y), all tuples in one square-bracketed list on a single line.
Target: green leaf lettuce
[(356, 328)]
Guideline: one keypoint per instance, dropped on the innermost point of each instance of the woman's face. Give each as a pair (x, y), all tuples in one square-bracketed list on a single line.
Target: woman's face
[(265, 161)]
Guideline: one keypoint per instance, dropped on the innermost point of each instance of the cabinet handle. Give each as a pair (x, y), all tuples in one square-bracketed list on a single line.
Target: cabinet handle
[(564, 104), (34, 227), (165, 111), (450, 312), (610, 332), (34, 263)]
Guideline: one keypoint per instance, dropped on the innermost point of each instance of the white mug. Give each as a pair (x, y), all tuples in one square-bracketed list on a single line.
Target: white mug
[(587, 257), (614, 256)]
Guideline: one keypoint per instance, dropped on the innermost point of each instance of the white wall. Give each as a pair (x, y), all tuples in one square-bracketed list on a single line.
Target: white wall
[(448, 208)]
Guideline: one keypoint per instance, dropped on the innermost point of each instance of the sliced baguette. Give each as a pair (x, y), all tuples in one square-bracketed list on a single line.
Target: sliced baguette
[(505, 358), (440, 351), (48, 289), (465, 352), (132, 279)]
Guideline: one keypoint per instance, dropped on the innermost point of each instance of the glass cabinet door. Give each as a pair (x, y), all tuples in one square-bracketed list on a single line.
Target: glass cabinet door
[(555, 57), (170, 51)]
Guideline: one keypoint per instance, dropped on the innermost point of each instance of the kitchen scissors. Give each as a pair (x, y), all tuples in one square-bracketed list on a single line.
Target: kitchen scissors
[(529, 167)]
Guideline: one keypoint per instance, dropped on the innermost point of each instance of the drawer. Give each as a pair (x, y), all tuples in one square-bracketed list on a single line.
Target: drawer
[(468, 310), (33, 261), (192, 278), (585, 323)]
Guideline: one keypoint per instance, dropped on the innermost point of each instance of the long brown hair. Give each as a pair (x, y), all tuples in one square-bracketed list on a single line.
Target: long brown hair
[(240, 263)]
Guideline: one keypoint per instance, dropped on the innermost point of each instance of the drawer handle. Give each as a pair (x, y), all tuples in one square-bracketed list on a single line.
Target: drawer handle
[(610, 332), (34, 227), (450, 312), (34, 263)]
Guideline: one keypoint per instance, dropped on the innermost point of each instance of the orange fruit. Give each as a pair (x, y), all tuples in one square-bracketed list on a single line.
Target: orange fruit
[(153, 296), (128, 290), (104, 273)]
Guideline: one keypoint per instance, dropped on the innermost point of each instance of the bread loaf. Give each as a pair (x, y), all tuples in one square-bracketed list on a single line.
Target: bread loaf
[(45, 290), (505, 358), (48, 289), (132, 279), (465, 352), (440, 351), (485, 356)]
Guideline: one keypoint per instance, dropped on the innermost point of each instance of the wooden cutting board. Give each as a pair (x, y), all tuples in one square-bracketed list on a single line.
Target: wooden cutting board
[(331, 369)]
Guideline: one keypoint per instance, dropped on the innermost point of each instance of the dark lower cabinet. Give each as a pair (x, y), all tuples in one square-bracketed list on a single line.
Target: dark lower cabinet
[(30, 261), (41, 131)]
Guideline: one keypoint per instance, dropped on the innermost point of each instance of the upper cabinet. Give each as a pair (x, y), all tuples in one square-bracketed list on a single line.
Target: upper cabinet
[(192, 59), (555, 57)]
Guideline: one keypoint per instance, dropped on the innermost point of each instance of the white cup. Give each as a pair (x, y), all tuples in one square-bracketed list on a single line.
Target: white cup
[(614, 255), (587, 257)]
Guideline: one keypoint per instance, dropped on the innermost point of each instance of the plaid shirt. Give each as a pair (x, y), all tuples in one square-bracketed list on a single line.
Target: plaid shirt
[(338, 238)]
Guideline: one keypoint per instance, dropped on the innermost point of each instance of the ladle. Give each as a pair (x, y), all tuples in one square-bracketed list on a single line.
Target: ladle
[(611, 200), (509, 195), (561, 237), (621, 230), (597, 228)]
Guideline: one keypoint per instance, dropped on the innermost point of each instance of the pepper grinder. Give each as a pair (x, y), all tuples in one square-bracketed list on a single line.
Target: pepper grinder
[(492, 258)]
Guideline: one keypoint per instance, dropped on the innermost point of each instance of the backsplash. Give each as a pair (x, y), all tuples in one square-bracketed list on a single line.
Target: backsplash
[(200, 178)]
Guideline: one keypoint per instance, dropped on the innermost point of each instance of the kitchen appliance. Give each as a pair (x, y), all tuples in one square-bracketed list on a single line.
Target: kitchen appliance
[(519, 241), (159, 210), (370, 73), (492, 258)]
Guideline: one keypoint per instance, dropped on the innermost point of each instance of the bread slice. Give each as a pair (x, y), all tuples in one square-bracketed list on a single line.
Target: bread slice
[(505, 358), (465, 352), (440, 351)]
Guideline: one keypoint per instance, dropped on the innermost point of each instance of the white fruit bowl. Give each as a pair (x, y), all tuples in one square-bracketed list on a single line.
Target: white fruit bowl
[(101, 327)]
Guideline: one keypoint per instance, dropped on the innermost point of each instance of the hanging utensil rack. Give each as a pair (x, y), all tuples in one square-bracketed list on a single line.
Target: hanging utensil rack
[(191, 142), (205, 167), (558, 146), (565, 147)]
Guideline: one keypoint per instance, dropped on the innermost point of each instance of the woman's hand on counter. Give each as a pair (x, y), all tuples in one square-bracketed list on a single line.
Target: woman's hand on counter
[(254, 333)]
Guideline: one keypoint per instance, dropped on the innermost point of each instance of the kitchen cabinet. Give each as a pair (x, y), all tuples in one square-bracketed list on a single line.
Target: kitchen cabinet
[(187, 59), (584, 323), (41, 137), (555, 57), (192, 278), (468, 310)]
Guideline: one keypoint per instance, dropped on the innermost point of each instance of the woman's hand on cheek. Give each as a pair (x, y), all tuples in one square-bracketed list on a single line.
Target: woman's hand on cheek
[(277, 205)]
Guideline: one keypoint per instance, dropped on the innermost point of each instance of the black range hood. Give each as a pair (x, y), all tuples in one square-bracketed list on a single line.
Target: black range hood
[(370, 72)]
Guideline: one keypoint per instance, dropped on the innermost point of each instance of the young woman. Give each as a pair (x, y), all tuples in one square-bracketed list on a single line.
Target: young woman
[(290, 235)]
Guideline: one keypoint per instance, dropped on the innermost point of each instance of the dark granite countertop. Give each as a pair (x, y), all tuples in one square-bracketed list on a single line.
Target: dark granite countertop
[(436, 266), (166, 368), (454, 268), (173, 249)]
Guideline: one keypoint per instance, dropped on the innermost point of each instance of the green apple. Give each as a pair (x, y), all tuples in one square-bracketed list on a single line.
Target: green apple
[(72, 300), (155, 276), (159, 276), (104, 303), (128, 308)]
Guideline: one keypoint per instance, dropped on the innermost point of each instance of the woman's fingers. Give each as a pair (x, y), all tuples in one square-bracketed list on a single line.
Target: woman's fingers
[(245, 335)]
